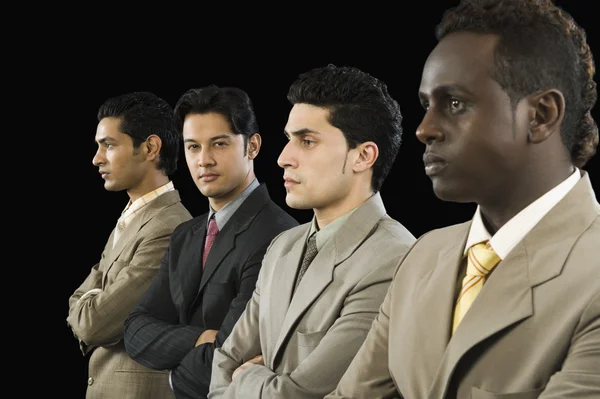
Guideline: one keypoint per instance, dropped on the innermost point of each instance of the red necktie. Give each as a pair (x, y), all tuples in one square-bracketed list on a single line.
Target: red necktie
[(212, 232)]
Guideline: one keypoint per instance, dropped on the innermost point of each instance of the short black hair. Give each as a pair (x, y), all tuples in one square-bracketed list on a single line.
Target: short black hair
[(359, 105), (232, 103), (142, 114)]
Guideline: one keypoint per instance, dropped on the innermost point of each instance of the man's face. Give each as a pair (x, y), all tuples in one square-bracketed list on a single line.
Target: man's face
[(317, 170), (216, 157), (121, 166), (475, 141)]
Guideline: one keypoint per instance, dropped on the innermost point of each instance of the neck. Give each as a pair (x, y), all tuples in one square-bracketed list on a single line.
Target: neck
[(497, 211), (150, 183), (219, 202), (332, 212)]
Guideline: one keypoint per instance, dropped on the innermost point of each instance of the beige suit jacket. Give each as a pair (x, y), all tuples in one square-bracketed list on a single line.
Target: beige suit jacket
[(308, 341), (533, 332), (122, 276)]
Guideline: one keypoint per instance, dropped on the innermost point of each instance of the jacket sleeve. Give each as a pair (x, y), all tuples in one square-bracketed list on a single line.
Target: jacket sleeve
[(327, 362), (579, 376), (153, 334), (368, 375), (97, 320)]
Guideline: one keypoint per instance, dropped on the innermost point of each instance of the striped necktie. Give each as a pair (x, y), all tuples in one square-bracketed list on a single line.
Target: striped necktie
[(481, 261)]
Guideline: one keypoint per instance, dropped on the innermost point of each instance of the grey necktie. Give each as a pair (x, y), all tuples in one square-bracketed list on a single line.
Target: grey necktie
[(309, 254)]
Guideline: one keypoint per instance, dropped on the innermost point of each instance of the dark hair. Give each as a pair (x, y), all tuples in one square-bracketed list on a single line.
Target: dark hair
[(143, 114), (540, 47), (359, 105), (231, 102)]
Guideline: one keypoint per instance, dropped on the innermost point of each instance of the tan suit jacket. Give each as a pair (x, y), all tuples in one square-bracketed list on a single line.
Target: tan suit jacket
[(308, 341), (533, 332), (122, 276)]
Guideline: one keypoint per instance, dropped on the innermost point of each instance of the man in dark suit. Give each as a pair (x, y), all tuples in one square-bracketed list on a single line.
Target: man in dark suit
[(211, 265), (507, 304)]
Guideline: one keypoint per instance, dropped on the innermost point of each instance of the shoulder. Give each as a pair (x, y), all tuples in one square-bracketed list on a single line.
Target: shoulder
[(273, 215), (393, 229), (284, 240)]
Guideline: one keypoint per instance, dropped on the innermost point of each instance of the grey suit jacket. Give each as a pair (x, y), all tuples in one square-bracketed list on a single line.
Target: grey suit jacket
[(122, 276), (308, 341), (533, 332)]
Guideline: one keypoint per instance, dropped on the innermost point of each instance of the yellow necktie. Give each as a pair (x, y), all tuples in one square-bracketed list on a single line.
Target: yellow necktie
[(481, 261)]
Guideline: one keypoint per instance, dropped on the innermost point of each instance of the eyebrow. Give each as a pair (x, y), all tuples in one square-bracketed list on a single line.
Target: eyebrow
[(219, 137), (300, 132), (104, 140), (447, 89)]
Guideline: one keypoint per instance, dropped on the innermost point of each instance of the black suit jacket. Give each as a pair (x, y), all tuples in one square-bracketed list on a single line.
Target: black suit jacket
[(184, 300)]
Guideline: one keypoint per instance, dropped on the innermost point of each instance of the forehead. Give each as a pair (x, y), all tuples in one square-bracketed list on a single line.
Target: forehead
[(206, 124), (307, 116), (462, 59), (109, 128)]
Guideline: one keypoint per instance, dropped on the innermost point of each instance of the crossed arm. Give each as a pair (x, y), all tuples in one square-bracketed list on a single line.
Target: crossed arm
[(155, 337), (318, 373), (96, 314)]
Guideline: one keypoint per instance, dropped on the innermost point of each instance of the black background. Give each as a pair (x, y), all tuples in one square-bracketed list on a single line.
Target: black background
[(262, 53)]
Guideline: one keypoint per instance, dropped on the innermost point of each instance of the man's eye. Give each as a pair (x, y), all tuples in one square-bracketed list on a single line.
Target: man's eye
[(456, 105)]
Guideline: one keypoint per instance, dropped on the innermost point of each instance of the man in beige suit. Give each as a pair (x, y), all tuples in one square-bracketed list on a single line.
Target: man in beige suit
[(306, 320), (137, 151), (506, 305)]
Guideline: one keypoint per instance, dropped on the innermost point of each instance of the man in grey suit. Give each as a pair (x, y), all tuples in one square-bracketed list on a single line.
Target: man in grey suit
[(138, 148), (306, 319), (507, 92)]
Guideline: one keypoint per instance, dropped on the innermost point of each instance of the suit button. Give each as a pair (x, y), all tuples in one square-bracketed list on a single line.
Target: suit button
[(90, 381)]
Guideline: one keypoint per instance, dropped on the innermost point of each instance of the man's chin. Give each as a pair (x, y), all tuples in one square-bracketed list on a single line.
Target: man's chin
[(296, 203), (110, 187), (450, 193)]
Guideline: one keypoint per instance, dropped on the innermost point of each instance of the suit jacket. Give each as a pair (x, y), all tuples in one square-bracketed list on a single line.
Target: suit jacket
[(122, 275), (308, 341), (533, 331), (184, 301)]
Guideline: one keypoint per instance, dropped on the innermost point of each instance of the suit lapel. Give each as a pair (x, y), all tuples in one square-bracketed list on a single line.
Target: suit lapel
[(191, 273), (319, 274), (223, 244), (281, 287), (435, 301), (125, 238), (507, 297), (147, 213), (240, 221)]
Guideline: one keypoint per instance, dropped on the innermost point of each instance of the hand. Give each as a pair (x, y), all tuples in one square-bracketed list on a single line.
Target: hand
[(206, 336), (255, 360)]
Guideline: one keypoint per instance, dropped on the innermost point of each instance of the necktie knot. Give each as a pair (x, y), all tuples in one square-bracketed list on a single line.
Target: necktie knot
[(482, 259), (213, 229)]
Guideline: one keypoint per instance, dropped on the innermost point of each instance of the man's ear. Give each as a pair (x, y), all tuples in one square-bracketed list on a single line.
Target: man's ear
[(547, 111), (367, 154), (254, 143), (152, 145)]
